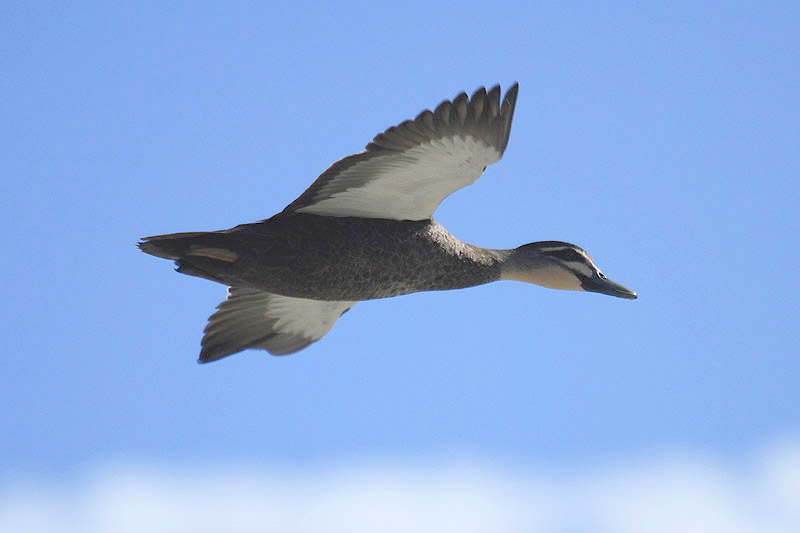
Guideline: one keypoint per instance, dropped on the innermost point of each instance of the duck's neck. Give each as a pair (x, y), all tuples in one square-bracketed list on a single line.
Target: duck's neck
[(524, 264), (478, 265), (513, 264)]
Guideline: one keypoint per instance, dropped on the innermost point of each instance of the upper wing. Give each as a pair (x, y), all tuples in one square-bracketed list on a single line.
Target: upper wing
[(281, 325), (406, 172)]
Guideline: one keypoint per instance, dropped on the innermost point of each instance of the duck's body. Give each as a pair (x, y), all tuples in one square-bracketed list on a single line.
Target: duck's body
[(364, 230), (332, 258)]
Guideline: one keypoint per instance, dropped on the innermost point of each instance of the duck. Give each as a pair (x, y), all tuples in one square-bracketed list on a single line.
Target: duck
[(364, 230)]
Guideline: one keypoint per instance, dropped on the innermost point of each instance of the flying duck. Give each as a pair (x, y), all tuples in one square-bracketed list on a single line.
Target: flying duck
[(364, 230)]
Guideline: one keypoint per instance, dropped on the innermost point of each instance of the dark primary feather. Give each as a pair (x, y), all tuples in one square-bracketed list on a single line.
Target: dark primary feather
[(241, 322), (482, 117)]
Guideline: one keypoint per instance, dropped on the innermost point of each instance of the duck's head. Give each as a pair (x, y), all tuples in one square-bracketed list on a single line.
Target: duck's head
[(560, 265)]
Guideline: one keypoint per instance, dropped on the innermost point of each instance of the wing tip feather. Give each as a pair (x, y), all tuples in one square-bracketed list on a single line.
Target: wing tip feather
[(486, 118)]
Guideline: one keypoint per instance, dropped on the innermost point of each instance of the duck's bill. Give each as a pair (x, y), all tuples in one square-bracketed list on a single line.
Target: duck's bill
[(611, 288)]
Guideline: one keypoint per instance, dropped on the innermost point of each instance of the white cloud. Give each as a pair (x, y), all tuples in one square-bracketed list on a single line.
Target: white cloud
[(669, 493)]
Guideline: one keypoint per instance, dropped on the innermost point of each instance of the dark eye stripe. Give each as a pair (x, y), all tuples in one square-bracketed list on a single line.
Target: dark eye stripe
[(567, 254)]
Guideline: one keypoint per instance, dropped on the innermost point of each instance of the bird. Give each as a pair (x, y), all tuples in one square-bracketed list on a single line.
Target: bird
[(364, 230)]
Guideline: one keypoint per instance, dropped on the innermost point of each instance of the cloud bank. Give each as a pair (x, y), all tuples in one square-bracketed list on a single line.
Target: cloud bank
[(669, 493)]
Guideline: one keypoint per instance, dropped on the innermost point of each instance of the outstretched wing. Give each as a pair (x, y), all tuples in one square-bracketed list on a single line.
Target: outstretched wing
[(281, 325), (406, 172)]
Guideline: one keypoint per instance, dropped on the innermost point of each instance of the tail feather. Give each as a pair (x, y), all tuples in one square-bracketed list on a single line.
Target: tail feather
[(204, 254), (175, 245)]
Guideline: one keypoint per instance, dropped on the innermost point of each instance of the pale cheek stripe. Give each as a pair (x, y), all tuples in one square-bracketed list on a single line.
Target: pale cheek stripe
[(582, 268)]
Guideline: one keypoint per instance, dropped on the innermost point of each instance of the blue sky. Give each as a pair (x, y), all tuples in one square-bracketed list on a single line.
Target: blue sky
[(662, 139)]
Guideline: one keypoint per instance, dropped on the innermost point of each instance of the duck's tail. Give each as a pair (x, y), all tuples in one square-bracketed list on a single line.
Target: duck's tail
[(205, 254)]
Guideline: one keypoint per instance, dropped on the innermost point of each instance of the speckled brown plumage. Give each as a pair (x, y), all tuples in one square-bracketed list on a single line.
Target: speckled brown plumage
[(333, 258)]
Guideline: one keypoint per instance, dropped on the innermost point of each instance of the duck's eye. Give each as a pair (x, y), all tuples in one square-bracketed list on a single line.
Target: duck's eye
[(602, 276)]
